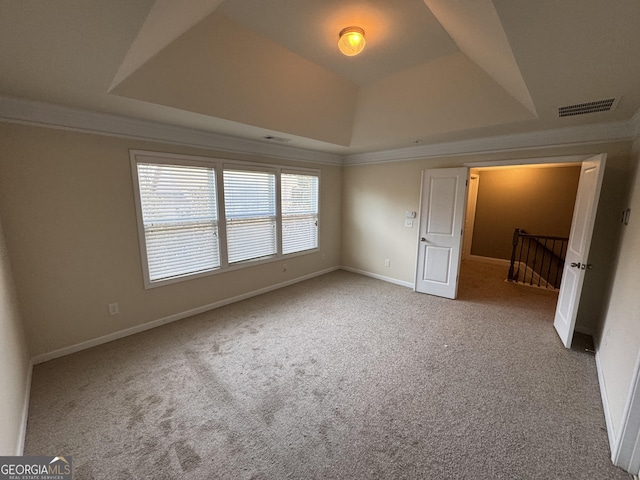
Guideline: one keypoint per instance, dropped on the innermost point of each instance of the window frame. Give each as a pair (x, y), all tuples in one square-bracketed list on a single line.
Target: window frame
[(219, 165), (293, 171)]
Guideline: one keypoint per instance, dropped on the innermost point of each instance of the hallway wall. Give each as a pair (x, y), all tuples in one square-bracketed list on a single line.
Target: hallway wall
[(538, 200)]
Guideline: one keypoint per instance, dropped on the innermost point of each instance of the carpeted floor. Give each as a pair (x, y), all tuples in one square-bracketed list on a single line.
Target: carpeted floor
[(339, 377)]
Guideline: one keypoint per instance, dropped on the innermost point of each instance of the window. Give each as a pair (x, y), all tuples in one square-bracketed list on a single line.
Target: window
[(250, 209), (198, 216), (180, 219), (299, 195)]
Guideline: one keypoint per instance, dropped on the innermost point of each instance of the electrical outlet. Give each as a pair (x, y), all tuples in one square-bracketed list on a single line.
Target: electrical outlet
[(408, 223), (114, 309), (324, 256), (387, 262)]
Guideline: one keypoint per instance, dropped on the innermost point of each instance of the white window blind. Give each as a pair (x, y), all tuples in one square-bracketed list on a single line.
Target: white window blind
[(250, 209), (299, 199), (180, 218)]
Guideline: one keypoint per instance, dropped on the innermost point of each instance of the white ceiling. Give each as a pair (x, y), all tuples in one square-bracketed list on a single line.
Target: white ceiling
[(432, 71)]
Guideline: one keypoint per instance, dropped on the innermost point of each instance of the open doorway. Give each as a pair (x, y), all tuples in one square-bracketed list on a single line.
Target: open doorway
[(519, 217), (442, 205), (576, 253)]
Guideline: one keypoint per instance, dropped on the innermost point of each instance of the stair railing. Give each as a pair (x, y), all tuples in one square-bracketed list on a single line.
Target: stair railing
[(537, 259)]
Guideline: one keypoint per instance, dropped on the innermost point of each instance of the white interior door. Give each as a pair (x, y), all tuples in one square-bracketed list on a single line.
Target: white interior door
[(576, 261), (442, 205), (470, 215)]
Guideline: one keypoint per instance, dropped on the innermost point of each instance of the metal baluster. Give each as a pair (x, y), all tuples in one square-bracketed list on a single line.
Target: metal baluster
[(551, 258), (535, 256), (544, 252), (520, 258)]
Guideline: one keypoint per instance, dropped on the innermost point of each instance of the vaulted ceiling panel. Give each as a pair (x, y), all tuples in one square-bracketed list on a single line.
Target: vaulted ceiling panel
[(225, 70), (476, 28), (448, 94), (572, 52)]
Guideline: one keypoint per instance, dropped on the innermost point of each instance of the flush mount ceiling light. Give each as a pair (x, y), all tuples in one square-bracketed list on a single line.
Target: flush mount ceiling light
[(351, 41)]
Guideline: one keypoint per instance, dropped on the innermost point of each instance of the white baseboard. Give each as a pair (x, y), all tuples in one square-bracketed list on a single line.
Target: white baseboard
[(379, 277), (25, 412), (613, 440), (627, 455), (45, 357)]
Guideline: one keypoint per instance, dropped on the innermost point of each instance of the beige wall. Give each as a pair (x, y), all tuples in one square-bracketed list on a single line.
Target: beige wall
[(14, 358), (67, 205), (536, 199), (375, 198), (620, 334)]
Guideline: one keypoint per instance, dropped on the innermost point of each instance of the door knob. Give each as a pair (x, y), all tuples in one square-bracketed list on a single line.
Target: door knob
[(423, 239), (582, 266)]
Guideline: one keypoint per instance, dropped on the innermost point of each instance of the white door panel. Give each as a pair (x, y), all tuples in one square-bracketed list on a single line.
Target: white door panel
[(442, 206), (575, 266)]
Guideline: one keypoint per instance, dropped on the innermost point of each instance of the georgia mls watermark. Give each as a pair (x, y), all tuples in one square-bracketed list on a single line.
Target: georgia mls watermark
[(36, 468)]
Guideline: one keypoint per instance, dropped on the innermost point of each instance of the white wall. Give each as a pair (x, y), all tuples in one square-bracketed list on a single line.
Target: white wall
[(620, 334), (14, 359)]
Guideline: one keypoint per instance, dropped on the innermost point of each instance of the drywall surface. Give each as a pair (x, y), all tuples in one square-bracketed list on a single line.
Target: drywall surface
[(14, 358), (535, 199), (620, 334), (67, 205)]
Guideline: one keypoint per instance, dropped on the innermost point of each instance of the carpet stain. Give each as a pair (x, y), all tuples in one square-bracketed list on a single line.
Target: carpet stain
[(319, 394), (148, 448), (216, 388), (187, 456), (323, 432), (136, 417), (168, 412), (162, 468), (166, 427), (272, 404)]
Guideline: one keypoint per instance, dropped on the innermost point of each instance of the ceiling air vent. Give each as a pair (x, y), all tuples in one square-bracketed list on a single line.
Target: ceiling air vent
[(588, 107), (272, 138)]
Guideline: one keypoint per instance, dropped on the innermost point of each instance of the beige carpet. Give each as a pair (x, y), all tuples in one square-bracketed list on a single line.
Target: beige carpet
[(342, 376)]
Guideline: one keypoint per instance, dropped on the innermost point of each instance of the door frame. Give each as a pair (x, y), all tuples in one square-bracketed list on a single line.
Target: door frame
[(448, 240), (472, 202)]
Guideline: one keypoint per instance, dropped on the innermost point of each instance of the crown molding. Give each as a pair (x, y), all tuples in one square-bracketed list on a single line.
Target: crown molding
[(31, 112), (582, 135)]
